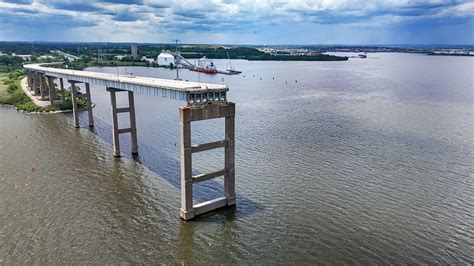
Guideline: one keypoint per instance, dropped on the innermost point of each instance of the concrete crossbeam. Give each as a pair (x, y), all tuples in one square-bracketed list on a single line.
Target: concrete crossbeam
[(209, 146), (204, 177)]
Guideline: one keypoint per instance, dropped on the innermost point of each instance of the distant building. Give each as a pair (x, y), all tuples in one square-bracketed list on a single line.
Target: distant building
[(165, 59), (134, 49), (146, 59), (25, 57), (119, 57)]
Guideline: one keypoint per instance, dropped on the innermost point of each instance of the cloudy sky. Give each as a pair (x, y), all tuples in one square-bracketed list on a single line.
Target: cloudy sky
[(240, 21)]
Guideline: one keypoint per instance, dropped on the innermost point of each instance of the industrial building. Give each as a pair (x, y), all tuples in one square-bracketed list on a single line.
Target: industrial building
[(165, 59)]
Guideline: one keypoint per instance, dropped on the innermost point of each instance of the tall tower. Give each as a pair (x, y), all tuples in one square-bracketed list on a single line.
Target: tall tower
[(134, 48)]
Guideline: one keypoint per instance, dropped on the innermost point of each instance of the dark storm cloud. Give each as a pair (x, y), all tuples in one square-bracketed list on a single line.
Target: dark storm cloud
[(44, 21), (20, 2), (232, 16), (76, 6), (127, 16), (125, 2)]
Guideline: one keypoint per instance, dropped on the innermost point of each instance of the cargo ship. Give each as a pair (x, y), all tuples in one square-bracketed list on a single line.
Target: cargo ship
[(205, 66)]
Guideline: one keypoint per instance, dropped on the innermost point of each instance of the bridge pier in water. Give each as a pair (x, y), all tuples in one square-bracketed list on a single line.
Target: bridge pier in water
[(116, 131), (74, 97), (187, 115)]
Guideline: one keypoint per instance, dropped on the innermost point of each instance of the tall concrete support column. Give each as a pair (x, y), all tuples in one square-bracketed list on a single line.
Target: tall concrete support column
[(187, 115), (116, 131), (28, 76), (75, 112), (133, 123), (229, 177), (52, 91), (61, 84), (187, 210), (37, 85), (32, 82), (89, 105), (41, 86)]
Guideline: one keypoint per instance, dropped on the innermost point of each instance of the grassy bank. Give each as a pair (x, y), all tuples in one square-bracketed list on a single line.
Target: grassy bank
[(12, 94)]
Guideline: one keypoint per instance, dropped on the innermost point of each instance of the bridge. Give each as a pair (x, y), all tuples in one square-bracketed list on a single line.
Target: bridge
[(203, 101)]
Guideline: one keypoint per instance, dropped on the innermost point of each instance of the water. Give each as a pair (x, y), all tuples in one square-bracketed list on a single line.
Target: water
[(365, 161)]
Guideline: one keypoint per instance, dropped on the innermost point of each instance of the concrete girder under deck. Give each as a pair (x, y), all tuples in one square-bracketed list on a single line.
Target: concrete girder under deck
[(187, 115), (116, 131)]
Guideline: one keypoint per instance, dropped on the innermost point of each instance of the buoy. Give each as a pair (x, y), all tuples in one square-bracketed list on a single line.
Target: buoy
[(286, 82), (296, 81), (260, 78)]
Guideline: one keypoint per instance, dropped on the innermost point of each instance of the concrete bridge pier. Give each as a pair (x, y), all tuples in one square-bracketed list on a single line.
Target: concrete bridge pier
[(61, 86), (75, 110), (43, 87), (36, 84), (30, 80), (51, 90), (116, 131), (89, 105), (187, 115)]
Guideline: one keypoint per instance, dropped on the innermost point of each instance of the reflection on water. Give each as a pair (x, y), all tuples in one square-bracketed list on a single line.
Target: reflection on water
[(365, 161)]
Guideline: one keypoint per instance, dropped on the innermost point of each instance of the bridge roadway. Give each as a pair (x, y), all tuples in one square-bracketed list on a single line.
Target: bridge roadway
[(174, 89), (203, 101)]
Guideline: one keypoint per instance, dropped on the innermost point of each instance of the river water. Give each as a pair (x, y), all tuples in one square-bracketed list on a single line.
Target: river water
[(365, 161)]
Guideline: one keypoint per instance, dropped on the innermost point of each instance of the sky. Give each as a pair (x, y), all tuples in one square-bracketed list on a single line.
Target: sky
[(240, 21)]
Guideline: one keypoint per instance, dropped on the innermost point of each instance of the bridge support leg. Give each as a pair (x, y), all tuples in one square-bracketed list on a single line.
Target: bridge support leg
[(37, 86), (28, 76), (61, 84), (52, 91), (116, 131), (187, 210), (75, 112), (89, 105), (187, 115), (229, 177), (41, 84), (133, 124)]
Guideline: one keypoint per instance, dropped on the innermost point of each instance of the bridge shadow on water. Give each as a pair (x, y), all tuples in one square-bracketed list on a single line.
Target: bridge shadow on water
[(168, 168)]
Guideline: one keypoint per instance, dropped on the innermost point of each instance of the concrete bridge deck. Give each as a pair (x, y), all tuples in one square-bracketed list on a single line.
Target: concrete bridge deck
[(174, 89), (203, 101)]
